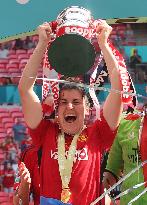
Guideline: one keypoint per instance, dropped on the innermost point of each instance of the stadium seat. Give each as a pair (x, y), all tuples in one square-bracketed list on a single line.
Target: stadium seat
[(121, 27), (7, 120), (113, 36), (30, 51), (9, 125), (17, 115), (1, 125), (3, 73), (2, 135), (12, 52), (15, 74), (23, 56), (3, 109), (15, 109), (4, 113), (2, 139), (7, 203), (21, 66), (2, 130), (12, 65), (2, 157), (14, 61), (113, 32), (21, 51), (3, 194), (2, 66), (24, 60), (122, 34), (131, 43), (5, 61), (15, 80), (14, 71), (12, 56)]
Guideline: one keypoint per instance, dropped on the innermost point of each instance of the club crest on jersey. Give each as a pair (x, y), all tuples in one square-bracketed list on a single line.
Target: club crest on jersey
[(131, 135), (83, 138)]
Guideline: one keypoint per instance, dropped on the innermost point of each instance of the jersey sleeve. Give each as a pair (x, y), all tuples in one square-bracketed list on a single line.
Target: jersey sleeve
[(38, 134), (115, 161), (104, 133)]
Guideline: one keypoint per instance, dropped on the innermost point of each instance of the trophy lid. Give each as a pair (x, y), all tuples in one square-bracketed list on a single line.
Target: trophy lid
[(74, 14), (71, 55)]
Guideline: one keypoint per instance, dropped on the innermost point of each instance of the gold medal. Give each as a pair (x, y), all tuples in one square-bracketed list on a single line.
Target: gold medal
[(65, 195)]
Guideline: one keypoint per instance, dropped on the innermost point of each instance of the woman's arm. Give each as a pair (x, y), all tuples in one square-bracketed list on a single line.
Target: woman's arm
[(112, 108), (31, 105)]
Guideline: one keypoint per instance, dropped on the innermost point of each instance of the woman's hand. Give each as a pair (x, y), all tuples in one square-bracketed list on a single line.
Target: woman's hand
[(25, 179), (44, 32), (103, 31)]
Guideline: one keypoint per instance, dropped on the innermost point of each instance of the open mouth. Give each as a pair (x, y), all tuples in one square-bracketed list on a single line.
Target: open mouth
[(70, 118)]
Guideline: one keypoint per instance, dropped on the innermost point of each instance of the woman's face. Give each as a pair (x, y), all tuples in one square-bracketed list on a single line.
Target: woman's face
[(71, 111)]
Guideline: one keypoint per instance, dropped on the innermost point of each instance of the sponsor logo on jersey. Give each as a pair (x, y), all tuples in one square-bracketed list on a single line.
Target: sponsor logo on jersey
[(80, 154)]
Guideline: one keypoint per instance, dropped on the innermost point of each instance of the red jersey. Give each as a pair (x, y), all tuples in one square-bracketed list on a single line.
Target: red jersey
[(85, 178), (30, 158)]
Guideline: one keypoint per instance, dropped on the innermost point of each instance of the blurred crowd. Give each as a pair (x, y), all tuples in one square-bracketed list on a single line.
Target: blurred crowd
[(15, 141)]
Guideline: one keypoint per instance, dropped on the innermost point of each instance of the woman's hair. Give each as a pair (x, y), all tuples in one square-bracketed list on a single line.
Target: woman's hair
[(76, 86), (73, 86)]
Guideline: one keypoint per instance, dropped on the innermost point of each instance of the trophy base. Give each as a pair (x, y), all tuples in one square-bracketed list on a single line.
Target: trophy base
[(71, 55)]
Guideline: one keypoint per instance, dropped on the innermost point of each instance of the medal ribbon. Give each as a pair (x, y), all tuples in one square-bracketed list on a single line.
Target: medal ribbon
[(66, 163)]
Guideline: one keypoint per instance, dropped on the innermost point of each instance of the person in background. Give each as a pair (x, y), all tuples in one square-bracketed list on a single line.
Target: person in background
[(18, 44), (28, 180), (129, 34), (8, 178), (7, 81), (26, 142), (19, 131), (4, 51), (9, 147), (135, 58), (28, 43), (126, 153)]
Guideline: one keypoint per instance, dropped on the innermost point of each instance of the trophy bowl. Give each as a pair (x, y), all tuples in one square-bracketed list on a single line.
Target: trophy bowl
[(71, 53)]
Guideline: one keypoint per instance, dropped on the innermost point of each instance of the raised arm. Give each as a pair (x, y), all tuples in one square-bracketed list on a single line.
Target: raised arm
[(112, 108), (30, 102)]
